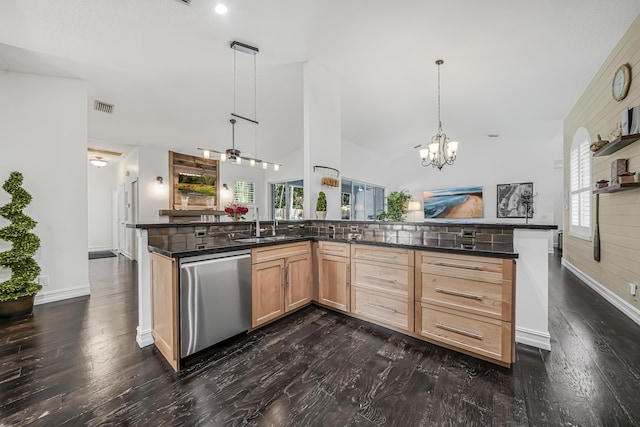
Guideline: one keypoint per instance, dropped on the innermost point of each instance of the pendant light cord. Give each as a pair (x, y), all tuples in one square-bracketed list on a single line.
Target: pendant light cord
[(439, 62)]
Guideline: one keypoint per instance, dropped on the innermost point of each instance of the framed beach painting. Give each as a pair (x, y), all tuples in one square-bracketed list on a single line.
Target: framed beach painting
[(463, 202), (509, 201)]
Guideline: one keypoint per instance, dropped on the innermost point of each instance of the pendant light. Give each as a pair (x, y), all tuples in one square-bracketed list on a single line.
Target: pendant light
[(441, 150), (233, 154)]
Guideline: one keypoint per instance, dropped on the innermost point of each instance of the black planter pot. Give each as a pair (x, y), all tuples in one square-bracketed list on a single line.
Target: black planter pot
[(18, 307)]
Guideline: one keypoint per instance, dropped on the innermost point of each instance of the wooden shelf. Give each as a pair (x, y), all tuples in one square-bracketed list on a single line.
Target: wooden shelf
[(617, 187), (617, 144)]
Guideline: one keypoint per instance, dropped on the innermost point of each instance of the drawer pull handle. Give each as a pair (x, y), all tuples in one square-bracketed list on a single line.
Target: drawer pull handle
[(459, 331), (332, 249), (379, 307), (454, 264), (459, 294), (384, 279), (379, 257)]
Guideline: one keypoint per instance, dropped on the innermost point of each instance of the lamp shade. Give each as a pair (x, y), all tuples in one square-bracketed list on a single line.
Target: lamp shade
[(414, 206)]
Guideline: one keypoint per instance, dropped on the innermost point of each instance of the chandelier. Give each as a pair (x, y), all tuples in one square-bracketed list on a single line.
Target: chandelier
[(233, 154), (441, 150)]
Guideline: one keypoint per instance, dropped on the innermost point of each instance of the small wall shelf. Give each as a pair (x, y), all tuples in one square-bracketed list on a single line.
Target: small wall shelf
[(617, 144), (617, 187)]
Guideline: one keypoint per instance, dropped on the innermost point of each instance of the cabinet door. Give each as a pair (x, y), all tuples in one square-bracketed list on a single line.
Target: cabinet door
[(333, 281), (164, 307), (297, 282), (267, 296)]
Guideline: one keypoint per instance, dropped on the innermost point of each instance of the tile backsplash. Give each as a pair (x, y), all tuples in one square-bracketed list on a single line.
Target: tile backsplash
[(388, 232)]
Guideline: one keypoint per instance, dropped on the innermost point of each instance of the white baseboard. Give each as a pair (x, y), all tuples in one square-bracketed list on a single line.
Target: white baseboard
[(533, 338), (44, 296), (629, 310), (144, 338), (100, 248)]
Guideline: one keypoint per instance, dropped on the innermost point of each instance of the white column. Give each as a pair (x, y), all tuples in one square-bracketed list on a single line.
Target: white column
[(143, 331), (322, 141), (532, 287)]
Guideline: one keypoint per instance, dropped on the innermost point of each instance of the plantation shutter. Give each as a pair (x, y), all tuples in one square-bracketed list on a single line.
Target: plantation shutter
[(244, 192), (580, 180)]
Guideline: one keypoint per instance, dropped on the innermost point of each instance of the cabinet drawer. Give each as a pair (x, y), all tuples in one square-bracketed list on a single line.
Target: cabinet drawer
[(334, 248), (483, 336), (393, 279), (381, 309), (482, 298), (461, 266), (379, 254), (271, 253)]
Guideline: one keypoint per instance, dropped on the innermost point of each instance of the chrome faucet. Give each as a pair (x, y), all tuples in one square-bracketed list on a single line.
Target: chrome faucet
[(275, 225), (256, 215)]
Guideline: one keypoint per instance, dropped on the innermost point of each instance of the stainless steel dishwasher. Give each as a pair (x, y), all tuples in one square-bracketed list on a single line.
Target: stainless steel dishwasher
[(215, 299)]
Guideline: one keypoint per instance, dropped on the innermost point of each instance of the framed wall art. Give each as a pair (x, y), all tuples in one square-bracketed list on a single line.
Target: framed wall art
[(463, 202), (514, 200)]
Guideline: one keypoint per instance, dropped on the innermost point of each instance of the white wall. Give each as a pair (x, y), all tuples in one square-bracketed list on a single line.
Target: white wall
[(101, 182), (360, 164), (152, 163), (487, 164), (48, 144), (322, 140)]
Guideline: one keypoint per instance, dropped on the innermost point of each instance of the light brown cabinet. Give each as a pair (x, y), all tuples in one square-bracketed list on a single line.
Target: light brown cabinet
[(467, 303), (382, 285), (164, 303), (281, 280), (334, 275)]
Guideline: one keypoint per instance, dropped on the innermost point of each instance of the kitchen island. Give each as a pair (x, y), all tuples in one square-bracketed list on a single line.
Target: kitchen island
[(504, 241)]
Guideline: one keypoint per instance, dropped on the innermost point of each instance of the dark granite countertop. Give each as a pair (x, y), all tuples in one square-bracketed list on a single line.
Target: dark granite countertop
[(212, 245), (308, 221)]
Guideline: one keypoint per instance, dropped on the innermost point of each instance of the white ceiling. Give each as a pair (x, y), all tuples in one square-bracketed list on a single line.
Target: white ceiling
[(512, 67)]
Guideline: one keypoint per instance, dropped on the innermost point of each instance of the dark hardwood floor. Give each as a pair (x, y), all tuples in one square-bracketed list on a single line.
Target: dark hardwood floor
[(77, 363)]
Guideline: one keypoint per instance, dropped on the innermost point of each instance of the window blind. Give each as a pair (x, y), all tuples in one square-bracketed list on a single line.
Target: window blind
[(580, 184), (244, 192)]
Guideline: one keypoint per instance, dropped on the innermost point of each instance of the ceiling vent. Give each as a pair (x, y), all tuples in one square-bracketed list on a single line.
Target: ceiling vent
[(185, 1), (102, 106)]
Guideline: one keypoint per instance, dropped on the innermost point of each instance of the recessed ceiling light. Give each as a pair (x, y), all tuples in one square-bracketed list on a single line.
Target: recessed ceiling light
[(220, 9)]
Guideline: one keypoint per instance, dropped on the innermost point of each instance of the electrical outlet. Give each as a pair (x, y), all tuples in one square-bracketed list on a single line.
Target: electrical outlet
[(632, 289), (43, 280), (201, 233)]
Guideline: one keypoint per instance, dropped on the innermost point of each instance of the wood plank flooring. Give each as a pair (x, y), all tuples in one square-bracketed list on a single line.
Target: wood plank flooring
[(77, 363)]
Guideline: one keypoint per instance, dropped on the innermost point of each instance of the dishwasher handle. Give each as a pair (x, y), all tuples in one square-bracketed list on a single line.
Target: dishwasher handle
[(212, 260)]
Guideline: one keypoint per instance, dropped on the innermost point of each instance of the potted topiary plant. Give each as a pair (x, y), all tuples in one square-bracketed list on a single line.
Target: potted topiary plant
[(397, 206), (321, 206), (17, 294)]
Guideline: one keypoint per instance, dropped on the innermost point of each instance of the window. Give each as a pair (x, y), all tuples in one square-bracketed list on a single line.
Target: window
[(361, 201), (580, 185), (244, 192), (287, 199)]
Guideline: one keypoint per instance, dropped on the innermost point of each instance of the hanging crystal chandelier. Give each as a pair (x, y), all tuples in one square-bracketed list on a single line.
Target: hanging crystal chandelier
[(441, 150)]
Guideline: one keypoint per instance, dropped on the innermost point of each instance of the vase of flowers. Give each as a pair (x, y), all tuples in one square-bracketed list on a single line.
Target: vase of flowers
[(236, 211)]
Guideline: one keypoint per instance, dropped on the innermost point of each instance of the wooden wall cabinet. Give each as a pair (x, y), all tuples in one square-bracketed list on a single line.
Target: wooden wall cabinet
[(382, 285), (467, 303), (334, 277), (281, 280), (165, 316)]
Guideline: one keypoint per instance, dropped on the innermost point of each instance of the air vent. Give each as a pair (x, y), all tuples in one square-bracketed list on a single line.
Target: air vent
[(493, 135), (185, 1), (102, 106)]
